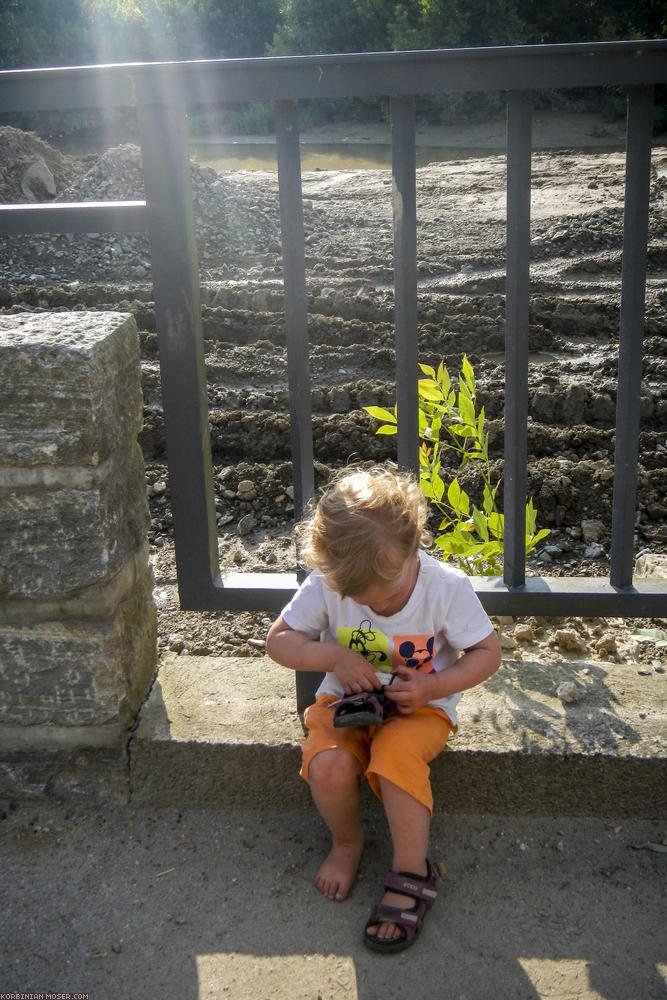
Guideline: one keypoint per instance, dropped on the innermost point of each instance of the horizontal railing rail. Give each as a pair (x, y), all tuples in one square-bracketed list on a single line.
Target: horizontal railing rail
[(520, 67), (160, 93)]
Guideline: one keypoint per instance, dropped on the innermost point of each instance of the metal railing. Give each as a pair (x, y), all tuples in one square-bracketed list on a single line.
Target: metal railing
[(160, 92)]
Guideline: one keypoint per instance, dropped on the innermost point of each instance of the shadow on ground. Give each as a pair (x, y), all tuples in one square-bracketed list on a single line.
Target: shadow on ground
[(197, 905)]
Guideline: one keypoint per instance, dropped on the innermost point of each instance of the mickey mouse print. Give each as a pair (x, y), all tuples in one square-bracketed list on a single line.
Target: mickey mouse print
[(388, 653)]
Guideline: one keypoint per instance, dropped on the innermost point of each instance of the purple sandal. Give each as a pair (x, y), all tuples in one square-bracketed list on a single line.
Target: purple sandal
[(422, 889), (366, 709), (369, 708)]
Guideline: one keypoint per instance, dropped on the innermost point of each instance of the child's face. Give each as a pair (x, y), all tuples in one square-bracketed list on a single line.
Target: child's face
[(388, 597)]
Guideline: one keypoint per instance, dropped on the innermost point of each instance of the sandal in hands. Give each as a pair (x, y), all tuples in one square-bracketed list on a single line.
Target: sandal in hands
[(369, 708)]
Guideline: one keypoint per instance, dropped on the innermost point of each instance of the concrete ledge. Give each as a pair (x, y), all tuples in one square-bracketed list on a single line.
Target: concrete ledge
[(225, 731), (88, 775)]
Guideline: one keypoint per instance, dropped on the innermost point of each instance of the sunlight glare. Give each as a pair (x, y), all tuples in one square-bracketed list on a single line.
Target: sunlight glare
[(247, 977), (554, 979)]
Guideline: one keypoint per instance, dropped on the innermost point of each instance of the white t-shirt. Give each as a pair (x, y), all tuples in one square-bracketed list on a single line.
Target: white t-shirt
[(442, 617)]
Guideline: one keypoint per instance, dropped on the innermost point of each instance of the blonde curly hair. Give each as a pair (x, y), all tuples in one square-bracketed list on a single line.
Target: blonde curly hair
[(366, 526)]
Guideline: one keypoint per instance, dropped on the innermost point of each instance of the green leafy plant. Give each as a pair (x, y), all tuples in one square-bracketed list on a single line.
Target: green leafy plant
[(449, 421)]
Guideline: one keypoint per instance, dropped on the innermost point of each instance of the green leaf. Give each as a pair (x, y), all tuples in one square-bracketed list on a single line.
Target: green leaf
[(495, 523), (481, 526), (489, 503), (457, 498), (463, 430), (438, 486), (532, 540), (387, 429), (454, 494), (381, 414), (468, 374), (461, 543), (429, 390), (467, 411), (427, 370)]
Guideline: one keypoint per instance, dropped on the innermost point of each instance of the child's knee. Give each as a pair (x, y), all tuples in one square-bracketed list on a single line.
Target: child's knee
[(333, 769)]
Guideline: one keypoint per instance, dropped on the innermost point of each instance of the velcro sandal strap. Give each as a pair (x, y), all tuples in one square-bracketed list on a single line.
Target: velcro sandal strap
[(420, 887), (409, 921)]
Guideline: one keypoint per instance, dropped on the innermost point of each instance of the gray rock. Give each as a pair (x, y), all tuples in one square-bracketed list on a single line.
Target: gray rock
[(568, 692), (37, 182), (591, 530), (246, 524)]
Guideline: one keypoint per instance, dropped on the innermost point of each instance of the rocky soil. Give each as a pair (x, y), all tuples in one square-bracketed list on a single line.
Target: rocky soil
[(577, 215)]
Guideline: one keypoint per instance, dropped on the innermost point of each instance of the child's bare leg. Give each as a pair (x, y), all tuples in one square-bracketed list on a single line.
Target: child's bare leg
[(333, 776), (409, 825)]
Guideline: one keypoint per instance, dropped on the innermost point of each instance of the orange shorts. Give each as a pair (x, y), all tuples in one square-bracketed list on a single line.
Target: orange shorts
[(399, 750)]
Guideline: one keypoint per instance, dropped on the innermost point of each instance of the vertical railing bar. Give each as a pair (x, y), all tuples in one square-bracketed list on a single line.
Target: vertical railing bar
[(405, 278), (517, 313), (296, 302), (168, 190), (633, 294), (296, 325)]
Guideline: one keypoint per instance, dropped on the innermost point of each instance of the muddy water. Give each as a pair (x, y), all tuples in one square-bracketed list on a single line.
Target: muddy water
[(320, 156)]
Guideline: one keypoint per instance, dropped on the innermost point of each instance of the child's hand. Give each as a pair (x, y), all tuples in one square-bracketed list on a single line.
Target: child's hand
[(355, 673), (412, 691)]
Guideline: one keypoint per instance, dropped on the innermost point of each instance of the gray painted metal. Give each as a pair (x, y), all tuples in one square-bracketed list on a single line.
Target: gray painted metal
[(635, 238), (181, 347), (517, 307), (296, 324), (588, 596), (405, 279), (160, 92), (511, 67), (296, 301), (64, 217)]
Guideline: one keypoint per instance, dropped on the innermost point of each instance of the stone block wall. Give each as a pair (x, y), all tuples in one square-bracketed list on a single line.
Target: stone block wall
[(77, 619)]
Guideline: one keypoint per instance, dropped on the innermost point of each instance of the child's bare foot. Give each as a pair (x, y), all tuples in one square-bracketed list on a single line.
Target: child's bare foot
[(338, 870)]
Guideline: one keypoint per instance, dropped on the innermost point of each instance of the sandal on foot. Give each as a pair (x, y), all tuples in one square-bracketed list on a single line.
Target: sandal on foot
[(409, 921)]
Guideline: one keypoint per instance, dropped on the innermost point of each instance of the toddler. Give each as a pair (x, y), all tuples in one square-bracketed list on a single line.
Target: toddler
[(377, 613)]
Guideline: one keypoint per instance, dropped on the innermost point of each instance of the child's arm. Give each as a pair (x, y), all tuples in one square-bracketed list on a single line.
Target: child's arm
[(416, 689), (294, 649)]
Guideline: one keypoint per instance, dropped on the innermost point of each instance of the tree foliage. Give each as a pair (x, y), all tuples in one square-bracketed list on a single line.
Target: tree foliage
[(67, 32), (71, 32)]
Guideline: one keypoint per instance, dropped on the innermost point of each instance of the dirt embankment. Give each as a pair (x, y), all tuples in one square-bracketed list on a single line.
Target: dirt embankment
[(577, 226)]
